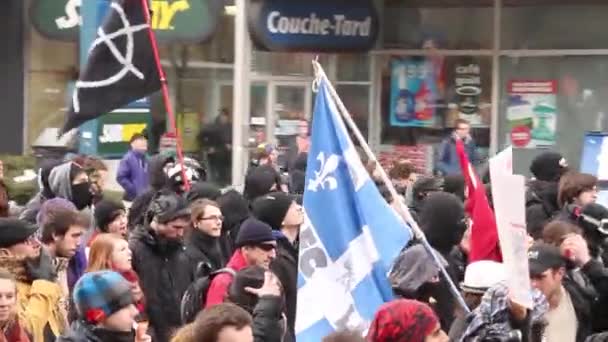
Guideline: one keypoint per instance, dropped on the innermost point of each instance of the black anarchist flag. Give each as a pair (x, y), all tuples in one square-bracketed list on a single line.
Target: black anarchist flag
[(120, 67)]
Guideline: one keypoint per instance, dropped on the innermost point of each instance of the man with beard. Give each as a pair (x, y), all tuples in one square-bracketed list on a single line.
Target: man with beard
[(41, 302), (161, 263), (284, 215)]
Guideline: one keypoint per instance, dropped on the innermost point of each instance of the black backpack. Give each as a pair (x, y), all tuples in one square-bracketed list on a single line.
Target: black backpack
[(195, 296)]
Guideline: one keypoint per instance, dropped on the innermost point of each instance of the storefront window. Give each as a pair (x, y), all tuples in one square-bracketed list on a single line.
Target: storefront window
[(563, 97), (354, 68), (52, 64), (356, 99), (576, 25), (284, 63), (423, 96), (424, 23)]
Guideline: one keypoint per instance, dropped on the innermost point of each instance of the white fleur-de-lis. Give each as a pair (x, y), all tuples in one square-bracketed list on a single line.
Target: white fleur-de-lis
[(323, 177)]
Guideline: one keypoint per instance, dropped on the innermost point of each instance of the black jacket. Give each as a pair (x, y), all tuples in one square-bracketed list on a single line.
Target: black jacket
[(83, 332), (163, 279), (205, 249), (541, 206), (583, 301), (285, 266), (268, 322), (597, 274)]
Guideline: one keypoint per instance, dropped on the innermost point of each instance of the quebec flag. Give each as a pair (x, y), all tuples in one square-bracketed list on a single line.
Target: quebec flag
[(350, 236)]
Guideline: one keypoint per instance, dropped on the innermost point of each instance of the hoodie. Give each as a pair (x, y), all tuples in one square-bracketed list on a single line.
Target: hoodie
[(157, 180), (60, 181), (541, 206)]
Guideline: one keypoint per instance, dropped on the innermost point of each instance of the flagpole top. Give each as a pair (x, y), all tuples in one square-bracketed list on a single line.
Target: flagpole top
[(318, 70)]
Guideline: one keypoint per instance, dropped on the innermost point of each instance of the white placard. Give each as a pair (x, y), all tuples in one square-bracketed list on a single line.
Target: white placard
[(508, 193)]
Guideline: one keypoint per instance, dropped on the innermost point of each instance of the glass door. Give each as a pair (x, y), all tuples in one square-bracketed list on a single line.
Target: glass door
[(291, 102)]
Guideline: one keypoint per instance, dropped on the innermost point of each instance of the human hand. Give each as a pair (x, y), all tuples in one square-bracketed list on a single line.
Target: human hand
[(271, 286), (41, 267), (518, 311), (574, 247), (141, 333)]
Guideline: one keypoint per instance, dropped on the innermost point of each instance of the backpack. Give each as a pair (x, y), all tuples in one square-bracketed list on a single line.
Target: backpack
[(195, 296)]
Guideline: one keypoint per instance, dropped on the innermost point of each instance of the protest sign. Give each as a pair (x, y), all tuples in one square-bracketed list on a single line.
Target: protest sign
[(508, 192)]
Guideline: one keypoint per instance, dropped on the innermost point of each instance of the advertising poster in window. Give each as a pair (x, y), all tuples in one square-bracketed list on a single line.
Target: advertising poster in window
[(414, 93), (532, 113)]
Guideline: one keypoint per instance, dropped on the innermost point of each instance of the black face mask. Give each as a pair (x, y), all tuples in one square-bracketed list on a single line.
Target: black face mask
[(81, 195)]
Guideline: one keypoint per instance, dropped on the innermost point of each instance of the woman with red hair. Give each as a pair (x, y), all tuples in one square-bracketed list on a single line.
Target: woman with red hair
[(111, 252)]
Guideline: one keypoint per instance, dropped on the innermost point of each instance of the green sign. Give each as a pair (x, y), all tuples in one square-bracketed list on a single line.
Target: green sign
[(172, 20)]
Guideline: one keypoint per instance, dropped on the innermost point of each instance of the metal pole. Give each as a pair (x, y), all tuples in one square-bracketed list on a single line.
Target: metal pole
[(495, 80), (402, 209), (241, 94)]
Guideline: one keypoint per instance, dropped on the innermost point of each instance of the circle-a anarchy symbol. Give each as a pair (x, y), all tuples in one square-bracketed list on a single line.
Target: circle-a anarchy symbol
[(125, 60)]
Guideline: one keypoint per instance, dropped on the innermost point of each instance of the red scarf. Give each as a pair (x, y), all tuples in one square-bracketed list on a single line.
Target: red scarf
[(132, 277)]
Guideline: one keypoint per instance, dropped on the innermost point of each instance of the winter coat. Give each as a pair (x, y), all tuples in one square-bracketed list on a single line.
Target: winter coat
[(220, 283), (41, 304), (14, 332), (158, 180), (285, 266), (268, 322), (202, 248), (583, 301), (83, 332), (163, 278), (541, 206), (447, 162), (132, 174), (597, 274)]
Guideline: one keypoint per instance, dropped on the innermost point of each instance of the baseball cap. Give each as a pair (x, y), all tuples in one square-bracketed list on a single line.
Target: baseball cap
[(542, 256)]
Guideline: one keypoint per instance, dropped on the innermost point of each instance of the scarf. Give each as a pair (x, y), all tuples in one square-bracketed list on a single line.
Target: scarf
[(209, 246), (13, 332)]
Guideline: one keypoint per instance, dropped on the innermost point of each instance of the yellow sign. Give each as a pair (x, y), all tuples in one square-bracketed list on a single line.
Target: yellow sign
[(163, 12)]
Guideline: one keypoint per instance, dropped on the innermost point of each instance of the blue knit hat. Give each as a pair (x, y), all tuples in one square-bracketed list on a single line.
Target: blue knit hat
[(98, 295), (254, 232)]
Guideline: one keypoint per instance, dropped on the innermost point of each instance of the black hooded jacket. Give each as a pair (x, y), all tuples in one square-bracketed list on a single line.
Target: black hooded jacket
[(164, 277), (84, 332), (444, 232), (541, 206), (235, 209), (158, 180), (285, 266), (205, 249)]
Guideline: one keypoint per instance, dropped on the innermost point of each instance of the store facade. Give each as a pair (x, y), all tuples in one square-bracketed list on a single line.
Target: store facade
[(531, 73)]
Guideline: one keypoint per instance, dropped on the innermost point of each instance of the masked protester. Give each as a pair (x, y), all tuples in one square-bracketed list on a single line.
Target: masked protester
[(106, 310), (161, 263), (41, 301), (33, 206), (235, 209)]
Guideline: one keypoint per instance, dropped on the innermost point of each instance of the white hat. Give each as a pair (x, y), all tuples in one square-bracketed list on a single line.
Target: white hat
[(481, 275)]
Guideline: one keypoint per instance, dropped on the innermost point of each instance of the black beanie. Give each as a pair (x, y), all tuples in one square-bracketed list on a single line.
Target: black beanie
[(548, 166), (107, 211), (272, 208), (203, 190), (259, 181), (252, 232)]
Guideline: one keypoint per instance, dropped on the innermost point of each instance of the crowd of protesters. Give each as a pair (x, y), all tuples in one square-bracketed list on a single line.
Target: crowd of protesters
[(189, 261)]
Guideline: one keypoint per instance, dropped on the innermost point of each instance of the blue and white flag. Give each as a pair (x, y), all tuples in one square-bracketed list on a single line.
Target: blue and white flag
[(350, 236)]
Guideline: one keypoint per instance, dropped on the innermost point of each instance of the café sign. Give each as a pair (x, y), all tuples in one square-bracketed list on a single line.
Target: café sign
[(175, 20), (313, 25)]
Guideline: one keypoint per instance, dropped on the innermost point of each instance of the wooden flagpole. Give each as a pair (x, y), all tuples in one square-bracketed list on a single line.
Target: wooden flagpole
[(165, 92), (402, 209)]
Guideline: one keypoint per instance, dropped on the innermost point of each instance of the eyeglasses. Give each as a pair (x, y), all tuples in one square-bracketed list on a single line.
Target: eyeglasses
[(213, 218), (266, 247)]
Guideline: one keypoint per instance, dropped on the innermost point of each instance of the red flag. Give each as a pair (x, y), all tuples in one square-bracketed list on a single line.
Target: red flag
[(484, 234)]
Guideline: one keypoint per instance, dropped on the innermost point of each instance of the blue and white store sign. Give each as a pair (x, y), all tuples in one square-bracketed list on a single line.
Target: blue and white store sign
[(313, 25)]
